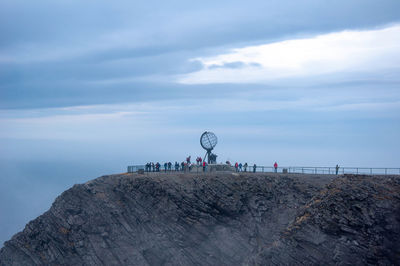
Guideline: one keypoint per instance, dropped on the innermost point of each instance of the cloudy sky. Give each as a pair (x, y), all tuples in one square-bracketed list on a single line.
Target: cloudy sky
[(88, 87)]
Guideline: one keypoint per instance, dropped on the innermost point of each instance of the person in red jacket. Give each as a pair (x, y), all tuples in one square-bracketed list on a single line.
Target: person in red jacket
[(204, 166), (276, 167), (237, 167)]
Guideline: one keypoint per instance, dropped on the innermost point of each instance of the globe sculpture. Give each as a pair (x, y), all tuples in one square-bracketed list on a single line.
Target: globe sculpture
[(208, 141)]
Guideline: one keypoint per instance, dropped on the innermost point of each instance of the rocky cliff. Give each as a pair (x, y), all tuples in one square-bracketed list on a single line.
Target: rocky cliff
[(216, 219)]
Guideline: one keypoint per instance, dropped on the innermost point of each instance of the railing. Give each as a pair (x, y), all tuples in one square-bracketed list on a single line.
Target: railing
[(135, 168), (193, 168), (344, 170), (292, 169)]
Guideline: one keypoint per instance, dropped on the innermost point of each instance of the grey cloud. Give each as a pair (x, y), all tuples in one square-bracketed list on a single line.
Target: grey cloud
[(132, 40), (70, 93), (191, 25), (229, 65), (235, 65)]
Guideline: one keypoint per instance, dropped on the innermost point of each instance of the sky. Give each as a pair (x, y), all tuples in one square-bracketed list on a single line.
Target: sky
[(89, 87)]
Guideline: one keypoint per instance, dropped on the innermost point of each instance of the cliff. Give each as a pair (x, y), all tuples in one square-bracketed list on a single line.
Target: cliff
[(216, 219)]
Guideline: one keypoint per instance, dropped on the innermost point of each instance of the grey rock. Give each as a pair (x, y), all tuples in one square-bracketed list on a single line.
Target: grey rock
[(216, 219), (354, 221)]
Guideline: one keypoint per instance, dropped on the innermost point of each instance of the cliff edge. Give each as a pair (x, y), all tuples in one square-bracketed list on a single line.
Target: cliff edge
[(216, 219)]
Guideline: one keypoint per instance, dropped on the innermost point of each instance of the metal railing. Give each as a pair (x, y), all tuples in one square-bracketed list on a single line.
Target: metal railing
[(343, 170), (291, 169), (135, 168), (193, 168)]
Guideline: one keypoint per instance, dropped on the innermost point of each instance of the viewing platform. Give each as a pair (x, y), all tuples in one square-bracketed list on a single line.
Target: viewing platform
[(281, 169)]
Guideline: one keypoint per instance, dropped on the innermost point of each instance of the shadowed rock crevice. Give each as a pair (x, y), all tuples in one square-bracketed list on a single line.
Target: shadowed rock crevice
[(223, 219)]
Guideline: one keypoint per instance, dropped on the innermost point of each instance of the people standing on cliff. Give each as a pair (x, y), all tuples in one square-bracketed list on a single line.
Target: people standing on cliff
[(204, 166), (182, 166), (254, 168), (188, 159), (158, 167), (276, 167), (153, 167), (176, 166), (237, 167), (169, 166), (337, 169), (165, 167), (245, 167), (240, 167)]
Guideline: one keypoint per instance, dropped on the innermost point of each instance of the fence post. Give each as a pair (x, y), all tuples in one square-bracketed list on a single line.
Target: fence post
[(385, 171)]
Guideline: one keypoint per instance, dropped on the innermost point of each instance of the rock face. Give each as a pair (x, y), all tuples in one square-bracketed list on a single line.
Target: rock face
[(354, 221), (216, 219)]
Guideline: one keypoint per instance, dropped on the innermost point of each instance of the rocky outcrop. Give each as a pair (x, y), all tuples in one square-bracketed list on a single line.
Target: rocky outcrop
[(354, 221), (215, 219)]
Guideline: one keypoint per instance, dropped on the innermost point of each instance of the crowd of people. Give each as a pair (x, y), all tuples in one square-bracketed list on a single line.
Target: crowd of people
[(183, 166), (239, 167), (188, 166), (201, 164)]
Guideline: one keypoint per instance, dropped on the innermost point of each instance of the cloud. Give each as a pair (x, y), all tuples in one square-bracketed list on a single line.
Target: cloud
[(234, 65), (339, 52), (48, 59), (365, 106), (160, 113)]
